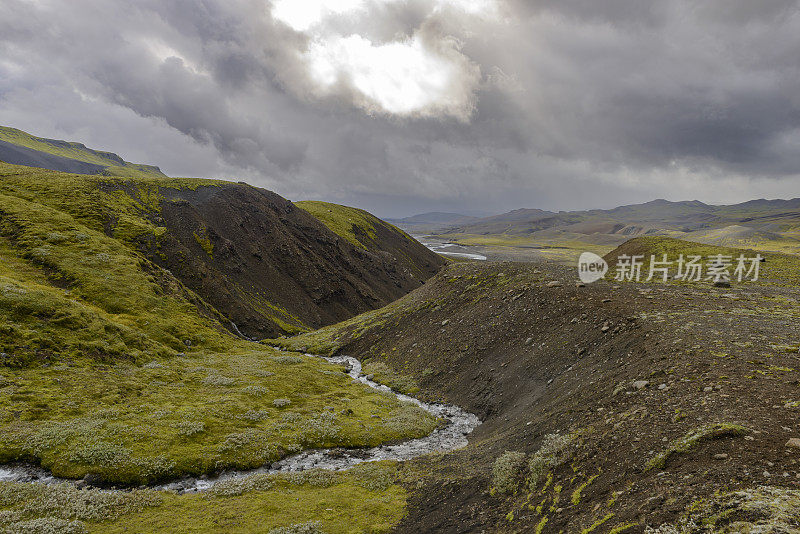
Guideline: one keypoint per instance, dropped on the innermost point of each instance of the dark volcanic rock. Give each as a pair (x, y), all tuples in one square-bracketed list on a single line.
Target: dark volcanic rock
[(271, 267)]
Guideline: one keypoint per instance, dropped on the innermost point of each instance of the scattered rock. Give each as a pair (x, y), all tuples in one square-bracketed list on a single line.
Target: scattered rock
[(605, 328), (662, 387), (554, 283), (529, 341), (444, 323), (580, 284), (722, 283), (708, 389), (721, 456), (640, 384), (606, 300), (793, 443)]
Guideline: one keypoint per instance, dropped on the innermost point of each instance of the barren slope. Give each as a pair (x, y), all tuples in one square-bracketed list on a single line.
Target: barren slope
[(628, 405)]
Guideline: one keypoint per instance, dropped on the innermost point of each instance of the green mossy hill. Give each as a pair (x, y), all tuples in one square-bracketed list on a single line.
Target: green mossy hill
[(267, 266), (777, 268), (72, 285), (368, 232), (56, 155)]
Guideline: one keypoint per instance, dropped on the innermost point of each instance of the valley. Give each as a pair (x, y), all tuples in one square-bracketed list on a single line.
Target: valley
[(191, 355)]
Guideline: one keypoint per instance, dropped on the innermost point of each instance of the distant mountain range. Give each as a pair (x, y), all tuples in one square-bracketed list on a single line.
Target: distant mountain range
[(752, 223)]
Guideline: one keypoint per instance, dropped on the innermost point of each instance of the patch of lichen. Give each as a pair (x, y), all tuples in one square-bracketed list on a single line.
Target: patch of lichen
[(750, 510), (692, 439), (201, 236)]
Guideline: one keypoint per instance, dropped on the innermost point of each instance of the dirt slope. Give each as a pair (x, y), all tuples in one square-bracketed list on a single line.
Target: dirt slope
[(658, 397), (271, 266)]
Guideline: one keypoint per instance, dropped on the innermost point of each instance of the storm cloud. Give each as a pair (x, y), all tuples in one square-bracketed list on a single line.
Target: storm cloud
[(402, 106)]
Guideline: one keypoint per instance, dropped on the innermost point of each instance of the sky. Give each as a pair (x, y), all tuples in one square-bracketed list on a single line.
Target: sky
[(407, 106)]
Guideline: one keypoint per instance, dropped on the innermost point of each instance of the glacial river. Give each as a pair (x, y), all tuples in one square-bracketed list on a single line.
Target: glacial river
[(448, 249)]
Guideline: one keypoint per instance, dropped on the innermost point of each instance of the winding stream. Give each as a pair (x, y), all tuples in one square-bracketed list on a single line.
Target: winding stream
[(449, 249), (451, 436)]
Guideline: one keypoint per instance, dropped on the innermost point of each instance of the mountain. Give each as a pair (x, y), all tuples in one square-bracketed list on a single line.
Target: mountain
[(250, 255), (21, 148), (434, 217), (658, 214), (432, 222), (531, 234)]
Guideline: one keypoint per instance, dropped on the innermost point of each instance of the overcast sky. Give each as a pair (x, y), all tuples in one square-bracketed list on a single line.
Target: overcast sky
[(404, 106)]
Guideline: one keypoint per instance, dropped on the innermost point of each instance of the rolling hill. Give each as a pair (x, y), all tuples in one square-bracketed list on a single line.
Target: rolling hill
[(21, 148), (264, 264)]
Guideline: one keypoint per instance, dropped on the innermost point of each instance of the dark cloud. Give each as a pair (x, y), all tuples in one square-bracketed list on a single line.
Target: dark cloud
[(552, 104)]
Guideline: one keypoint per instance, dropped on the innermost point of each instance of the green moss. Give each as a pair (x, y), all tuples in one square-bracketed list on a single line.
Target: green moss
[(763, 509), (622, 528), (691, 439), (597, 524), (192, 415), (355, 225), (383, 374), (576, 495), (364, 499), (201, 236)]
